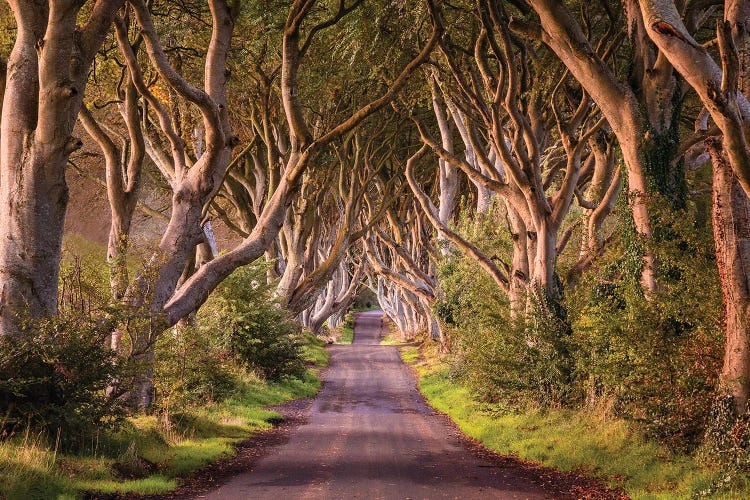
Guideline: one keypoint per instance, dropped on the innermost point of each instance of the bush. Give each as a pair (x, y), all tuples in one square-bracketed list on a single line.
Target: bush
[(253, 326), (54, 376), (652, 361), (507, 362), (657, 360), (191, 366)]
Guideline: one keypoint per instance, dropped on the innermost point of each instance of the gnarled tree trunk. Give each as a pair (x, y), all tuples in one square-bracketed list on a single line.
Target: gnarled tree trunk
[(46, 76), (731, 224)]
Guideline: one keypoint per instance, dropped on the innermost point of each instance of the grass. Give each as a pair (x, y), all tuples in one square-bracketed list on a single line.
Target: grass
[(346, 330), (410, 354), (583, 440), (313, 351), (149, 454), (392, 339)]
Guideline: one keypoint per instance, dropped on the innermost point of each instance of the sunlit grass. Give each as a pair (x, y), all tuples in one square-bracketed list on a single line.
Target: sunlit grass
[(585, 440), (392, 339), (27, 469), (347, 335), (313, 351), (410, 354), (153, 452), (345, 331)]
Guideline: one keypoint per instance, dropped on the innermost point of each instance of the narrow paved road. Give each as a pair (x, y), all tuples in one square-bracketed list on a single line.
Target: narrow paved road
[(369, 434)]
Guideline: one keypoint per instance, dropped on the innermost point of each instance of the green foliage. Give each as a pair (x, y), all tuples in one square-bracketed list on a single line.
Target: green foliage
[(587, 440), (653, 362), (191, 366), (656, 359), (54, 377), (253, 326), (241, 327), (346, 329), (727, 443), (54, 374), (666, 176), (517, 363)]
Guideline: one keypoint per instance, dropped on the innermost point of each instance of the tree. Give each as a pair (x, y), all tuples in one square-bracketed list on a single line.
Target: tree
[(531, 158), (724, 93), (642, 110), (46, 78)]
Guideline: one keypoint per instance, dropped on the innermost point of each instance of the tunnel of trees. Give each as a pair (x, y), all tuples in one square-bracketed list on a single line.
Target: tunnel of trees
[(554, 192)]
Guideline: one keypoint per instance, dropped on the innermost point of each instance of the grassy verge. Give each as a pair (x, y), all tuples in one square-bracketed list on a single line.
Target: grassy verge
[(345, 330), (392, 339), (149, 454), (584, 440), (313, 351)]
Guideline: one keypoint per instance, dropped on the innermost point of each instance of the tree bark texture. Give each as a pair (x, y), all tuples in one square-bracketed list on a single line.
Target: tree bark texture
[(46, 77), (731, 224)]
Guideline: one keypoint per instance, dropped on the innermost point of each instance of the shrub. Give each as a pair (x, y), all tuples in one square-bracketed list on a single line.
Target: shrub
[(503, 361), (55, 375), (191, 366), (657, 359), (727, 441), (652, 361), (251, 324)]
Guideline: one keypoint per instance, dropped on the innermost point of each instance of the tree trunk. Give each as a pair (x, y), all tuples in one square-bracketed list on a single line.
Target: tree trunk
[(447, 174), (519, 272), (46, 76), (617, 103), (545, 258), (33, 199), (731, 224)]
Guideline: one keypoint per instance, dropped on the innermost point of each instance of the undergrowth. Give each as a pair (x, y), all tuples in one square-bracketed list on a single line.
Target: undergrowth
[(149, 454), (393, 337), (345, 330), (590, 440)]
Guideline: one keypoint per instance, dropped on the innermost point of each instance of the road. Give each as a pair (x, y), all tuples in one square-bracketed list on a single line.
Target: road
[(369, 434)]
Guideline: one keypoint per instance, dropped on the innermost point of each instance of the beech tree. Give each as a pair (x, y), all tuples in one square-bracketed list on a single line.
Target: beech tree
[(724, 91), (363, 170), (304, 148), (163, 288), (642, 108), (509, 134), (46, 78), (400, 251)]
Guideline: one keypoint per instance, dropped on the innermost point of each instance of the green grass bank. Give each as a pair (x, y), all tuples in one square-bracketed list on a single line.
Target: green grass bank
[(149, 454), (587, 440), (344, 333)]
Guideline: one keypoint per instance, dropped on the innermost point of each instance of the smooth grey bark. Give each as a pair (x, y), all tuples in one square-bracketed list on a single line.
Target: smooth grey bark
[(731, 225), (46, 77)]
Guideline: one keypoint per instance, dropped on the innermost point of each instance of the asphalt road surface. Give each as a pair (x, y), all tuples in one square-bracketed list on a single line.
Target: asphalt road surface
[(369, 434)]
